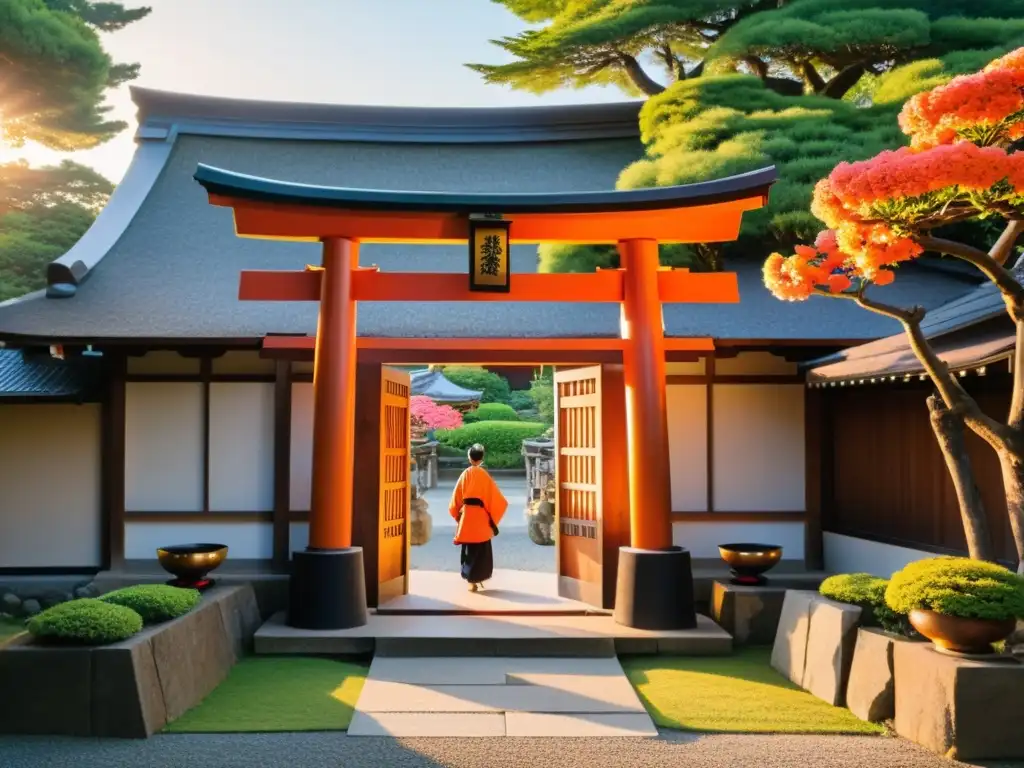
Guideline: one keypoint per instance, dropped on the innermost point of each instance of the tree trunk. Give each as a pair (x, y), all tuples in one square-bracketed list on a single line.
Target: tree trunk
[(839, 85), (949, 434), (640, 79), (1013, 484)]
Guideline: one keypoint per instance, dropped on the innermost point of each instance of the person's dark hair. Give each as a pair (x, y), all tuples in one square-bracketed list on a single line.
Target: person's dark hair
[(476, 452)]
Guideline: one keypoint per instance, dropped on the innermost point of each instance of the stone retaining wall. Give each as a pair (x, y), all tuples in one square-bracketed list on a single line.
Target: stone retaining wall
[(130, 689)]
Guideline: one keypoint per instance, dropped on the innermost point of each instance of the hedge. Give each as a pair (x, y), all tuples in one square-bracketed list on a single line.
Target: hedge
[(491, 412), (155, 602), (85, 622), (957, 586), (497, 437), (494, 388)]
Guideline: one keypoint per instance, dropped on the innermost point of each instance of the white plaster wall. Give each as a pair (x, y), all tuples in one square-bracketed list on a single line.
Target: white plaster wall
[(758, 447), (241, 447), (50, 486), (299, 533), (692, 368), (164, 447), (688, 446), (239, 361), (703, 539), (848, 554), (754, 364), (245, 541), (302, 445), (161, 362)]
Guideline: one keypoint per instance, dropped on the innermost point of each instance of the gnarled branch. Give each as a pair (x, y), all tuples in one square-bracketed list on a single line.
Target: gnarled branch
[(988, 266), (636, 73)]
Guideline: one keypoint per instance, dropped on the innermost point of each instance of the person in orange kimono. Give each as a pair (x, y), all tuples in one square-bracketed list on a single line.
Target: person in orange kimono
[(477, 506)]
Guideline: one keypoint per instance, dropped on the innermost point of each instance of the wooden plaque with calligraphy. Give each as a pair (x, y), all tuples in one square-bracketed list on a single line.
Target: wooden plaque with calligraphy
[(489, 258)]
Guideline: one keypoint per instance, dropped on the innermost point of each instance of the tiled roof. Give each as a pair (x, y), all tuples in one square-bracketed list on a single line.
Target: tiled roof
[(44, 377)]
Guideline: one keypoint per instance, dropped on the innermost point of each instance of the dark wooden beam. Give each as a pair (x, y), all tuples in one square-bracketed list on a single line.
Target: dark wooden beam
[(738, 517), (813, 468), (282, 463), (205, 371), (112, 462), (709, 378)]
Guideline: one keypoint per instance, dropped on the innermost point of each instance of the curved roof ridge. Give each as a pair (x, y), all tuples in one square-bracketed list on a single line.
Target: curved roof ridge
[(161, 113)]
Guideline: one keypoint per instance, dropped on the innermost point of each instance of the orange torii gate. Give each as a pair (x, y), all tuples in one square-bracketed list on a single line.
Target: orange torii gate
[(654, 583)]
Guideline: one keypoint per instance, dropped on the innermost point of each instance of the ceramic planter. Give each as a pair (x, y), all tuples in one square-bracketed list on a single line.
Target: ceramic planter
[(959, 634)]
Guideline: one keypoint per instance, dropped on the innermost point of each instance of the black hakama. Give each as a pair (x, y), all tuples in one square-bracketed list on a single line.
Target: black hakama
[(477, 562)]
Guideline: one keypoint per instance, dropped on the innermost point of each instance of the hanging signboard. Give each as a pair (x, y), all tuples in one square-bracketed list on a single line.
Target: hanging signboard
[(489, 257)]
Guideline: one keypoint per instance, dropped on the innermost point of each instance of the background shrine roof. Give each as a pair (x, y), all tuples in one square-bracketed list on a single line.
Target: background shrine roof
[(161, 263), (432, 383), (39, 377)]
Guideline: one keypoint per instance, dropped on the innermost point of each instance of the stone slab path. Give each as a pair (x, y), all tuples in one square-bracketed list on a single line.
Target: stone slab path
[(489, 697)]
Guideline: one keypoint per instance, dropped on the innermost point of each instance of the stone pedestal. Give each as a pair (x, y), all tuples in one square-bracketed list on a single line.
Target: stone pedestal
[(963, 709), (540, 522), (421, 525), (814, 644), (749, 614), (871, 692)]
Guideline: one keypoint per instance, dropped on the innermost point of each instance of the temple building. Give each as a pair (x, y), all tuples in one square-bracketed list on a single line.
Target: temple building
[(187, 413)]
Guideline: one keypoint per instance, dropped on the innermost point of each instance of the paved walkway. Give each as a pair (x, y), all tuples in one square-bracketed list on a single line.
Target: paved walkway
[(480, 697), (335, 750), (505, 592)]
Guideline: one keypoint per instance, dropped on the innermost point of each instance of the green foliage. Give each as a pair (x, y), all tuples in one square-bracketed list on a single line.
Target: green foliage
[(56, 73), (155, 602), (868, 592), (520, 400), (43, 213), (491, 412), (957, 586), (85, 622), (497, 437), (542, 390), (495, 388)]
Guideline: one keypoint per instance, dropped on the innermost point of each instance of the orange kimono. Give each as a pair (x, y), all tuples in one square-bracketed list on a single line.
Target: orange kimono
[(474, 528)]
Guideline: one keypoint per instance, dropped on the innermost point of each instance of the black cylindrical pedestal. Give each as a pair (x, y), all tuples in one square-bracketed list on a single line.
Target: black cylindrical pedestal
[(327, 589), (655, 589)]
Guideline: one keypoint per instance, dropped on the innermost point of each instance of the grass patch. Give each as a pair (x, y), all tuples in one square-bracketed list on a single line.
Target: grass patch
[(274, 694), (10, 629), (733, 694)]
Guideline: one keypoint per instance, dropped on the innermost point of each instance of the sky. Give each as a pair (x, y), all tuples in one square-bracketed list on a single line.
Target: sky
[(398, 52)]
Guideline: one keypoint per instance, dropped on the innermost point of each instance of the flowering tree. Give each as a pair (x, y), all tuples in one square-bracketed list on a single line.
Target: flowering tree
[(426, 415), (961, 165)]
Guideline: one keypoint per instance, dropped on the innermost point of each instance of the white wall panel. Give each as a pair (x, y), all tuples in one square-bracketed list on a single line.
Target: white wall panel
[(163, 362), (245, 541), (163, 447), (240, 361), (688, 446), (848, 554), (50, 486), (754, 364), (302, 445), (299, 537), (703, 539), (758, 447), (241, 447), (691, 368)]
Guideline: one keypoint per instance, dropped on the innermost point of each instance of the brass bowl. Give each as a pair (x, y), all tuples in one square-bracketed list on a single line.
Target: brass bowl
[(958, 635), (190, 563), (747, 562)]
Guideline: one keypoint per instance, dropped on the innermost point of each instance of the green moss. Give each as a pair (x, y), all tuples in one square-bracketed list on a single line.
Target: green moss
[(957, 586), (868, 592), (85, 622), (155, 602), (497, 437), (491, 412)]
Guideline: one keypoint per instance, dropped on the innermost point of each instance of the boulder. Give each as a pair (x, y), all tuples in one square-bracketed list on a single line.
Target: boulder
[(10, 603), (831, 639), (87, 590), (241, 616), (964, 709), (31, 607), (750, 614), (870, 692), (421, 525), (789, 653), (540, 522)]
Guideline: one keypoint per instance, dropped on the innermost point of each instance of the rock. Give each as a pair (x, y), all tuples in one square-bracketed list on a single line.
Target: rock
[(241, 615), (870, 692), (421, 525), (31, 607), (964, 709), (789, 653), (831, 639), (750, 614), (86, 590), (10, 603), (53, 597), (127, 700), (540, 522)]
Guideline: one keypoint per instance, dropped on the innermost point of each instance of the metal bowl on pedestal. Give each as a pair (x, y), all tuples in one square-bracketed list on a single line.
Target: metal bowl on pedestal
[(748, 562), (190, 563)]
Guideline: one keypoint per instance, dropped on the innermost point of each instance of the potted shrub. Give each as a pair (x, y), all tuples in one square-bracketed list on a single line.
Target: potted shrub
[(871, 690), (961, 605)]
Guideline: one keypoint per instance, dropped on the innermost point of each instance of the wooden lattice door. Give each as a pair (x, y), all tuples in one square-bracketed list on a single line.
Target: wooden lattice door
[(393, 542), (578, 479)]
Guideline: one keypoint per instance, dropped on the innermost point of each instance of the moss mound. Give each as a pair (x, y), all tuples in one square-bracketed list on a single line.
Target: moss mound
[(491, 412), (868, 592), (85, 622), (155, 602), (957, 586)]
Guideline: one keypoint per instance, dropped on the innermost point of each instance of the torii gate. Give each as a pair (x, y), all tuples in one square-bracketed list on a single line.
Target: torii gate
[(654, 580)]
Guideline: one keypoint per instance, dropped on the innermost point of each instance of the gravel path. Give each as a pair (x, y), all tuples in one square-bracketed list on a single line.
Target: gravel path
[(335, 750)]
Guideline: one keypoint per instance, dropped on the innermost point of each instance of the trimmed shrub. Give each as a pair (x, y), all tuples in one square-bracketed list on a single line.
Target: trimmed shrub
[(491, 412), (495, 388), (868, 592), (521, 400), (155, 602), (497, 437), (85, 622), (957, 586)]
